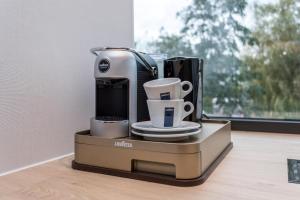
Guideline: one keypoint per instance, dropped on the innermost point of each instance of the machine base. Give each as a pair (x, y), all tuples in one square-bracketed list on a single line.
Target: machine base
[(183, 163), (156, 178)]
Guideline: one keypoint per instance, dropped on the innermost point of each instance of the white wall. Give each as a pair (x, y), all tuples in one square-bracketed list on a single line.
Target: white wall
[(46, 72)]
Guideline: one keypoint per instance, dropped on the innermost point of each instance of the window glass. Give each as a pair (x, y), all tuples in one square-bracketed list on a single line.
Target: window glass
[(251, 50)]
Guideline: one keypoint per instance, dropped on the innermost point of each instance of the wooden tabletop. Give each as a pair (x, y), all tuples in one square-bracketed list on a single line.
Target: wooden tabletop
[(256, 169)]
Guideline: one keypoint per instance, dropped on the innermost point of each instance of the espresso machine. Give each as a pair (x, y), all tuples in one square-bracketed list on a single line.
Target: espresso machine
[(109, 148), (120, 97)]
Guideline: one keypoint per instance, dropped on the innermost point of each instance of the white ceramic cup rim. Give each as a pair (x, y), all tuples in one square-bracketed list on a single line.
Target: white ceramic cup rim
[(166, 101), (169, 81)]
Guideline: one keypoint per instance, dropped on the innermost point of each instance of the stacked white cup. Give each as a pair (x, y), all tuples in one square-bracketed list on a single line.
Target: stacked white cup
[(165, 101)]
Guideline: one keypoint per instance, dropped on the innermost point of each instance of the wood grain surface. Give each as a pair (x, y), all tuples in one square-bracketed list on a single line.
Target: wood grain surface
[(255, 169)]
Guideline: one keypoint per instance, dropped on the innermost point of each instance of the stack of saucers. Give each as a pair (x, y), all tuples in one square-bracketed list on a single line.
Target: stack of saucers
[(167, 110)]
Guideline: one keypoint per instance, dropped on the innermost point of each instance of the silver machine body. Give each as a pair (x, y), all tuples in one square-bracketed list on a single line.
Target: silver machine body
[(120, 97), (121, 66)]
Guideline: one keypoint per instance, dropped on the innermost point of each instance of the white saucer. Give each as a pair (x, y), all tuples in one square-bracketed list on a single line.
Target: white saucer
[(147, 126), (166, 137)]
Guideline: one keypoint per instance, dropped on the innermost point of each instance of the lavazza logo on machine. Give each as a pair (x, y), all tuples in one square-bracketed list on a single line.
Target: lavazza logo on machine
[(104, 65), (123, 144)]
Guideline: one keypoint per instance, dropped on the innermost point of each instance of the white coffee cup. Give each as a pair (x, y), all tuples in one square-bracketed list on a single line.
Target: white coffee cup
[(168, 113), (167, 88)]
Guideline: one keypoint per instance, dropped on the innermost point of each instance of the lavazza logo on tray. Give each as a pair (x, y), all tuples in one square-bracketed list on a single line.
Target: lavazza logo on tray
[(123, 144)]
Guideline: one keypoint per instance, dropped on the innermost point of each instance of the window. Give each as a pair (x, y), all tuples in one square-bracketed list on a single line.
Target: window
[(251, 50)]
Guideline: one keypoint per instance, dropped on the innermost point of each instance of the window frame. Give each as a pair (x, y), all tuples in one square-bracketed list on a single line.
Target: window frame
[(262, 124), (256, 124)]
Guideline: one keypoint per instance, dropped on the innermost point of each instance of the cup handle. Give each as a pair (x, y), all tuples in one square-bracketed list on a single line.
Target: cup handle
[(186, 113), (183, 93)]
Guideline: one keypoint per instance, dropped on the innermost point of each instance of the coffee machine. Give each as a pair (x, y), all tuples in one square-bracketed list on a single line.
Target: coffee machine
[(109, 148), (120, 97)]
